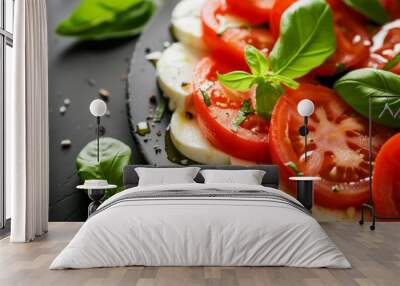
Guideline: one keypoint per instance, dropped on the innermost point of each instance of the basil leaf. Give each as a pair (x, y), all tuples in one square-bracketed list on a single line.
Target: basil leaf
[(268, 83), (372, 9), (256, 60), (133, 18), (123, 26), (392, 63), (104, 19), (87, 15), (119, 6), (286, 81), (245, 110), (160, 110), (267, 94), (237, 80), (294, 168), (206, 97), (114, 156), (356, 87), (307, 39)]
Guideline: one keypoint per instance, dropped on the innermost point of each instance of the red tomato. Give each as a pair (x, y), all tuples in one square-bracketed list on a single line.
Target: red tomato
[(352, 39), (386, 179), (228, 45), (250, 141), (254, 11), (338, 146), (352, 45), (392, 7), (276, 13), (386, 46)]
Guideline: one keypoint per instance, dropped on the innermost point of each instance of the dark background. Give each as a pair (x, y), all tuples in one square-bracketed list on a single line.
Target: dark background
[(72, 65)]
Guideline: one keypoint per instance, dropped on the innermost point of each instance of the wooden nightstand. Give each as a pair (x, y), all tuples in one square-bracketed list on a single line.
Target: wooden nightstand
[(305, 190)]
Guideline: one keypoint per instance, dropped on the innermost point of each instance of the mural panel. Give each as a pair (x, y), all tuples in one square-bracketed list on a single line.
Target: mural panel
[(224, 83)]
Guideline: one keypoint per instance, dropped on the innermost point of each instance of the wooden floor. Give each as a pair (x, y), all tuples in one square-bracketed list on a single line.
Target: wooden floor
[(375, 257)]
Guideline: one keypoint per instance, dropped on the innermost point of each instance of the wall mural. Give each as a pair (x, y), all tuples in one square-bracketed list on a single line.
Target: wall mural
[(222, 86)]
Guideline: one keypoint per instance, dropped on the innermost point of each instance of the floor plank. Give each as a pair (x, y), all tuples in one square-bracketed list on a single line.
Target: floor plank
[(375, 257)]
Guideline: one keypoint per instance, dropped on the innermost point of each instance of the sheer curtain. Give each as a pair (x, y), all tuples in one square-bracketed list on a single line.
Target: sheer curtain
[(27, 124)]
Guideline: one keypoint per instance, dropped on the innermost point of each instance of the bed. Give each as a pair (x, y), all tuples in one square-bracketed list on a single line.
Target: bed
[(198, 224)]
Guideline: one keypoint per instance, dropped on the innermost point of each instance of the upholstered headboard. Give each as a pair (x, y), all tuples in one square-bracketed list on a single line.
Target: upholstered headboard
[(271, 177)]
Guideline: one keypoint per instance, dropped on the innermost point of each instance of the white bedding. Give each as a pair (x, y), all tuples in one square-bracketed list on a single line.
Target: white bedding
[(200, 231)]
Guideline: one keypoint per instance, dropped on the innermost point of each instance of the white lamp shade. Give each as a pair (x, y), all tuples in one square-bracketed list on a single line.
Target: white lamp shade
[(98, 107), (305, 107)]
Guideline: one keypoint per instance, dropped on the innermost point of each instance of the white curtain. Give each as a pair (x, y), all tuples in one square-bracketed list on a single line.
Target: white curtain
[(27, 144)]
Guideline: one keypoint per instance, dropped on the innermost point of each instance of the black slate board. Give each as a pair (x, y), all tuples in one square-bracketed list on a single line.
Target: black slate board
[(142, 84), (71, 64)]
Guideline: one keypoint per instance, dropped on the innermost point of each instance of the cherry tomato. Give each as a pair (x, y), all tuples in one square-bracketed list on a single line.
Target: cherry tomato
[(337, 146), (352, 38), (254, 11), (386, 179), (250, 140), (227, 42)]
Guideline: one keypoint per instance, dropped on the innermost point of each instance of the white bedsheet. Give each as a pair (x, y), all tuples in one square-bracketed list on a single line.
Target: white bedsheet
[(200, 231)]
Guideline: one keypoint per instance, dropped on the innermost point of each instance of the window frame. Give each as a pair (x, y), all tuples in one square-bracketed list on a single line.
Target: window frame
[(6, 39)]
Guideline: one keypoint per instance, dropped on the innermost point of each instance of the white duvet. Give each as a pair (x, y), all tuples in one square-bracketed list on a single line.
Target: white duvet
[(200, 231)]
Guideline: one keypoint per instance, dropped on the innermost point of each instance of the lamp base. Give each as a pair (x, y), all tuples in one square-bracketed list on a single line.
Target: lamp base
[(305, 193), (96, 195), (303, 131)]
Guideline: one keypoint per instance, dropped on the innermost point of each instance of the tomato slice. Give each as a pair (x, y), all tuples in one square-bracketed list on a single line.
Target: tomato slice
[(254, 11), (228, 43), (386, 179), (337, 150), (250, 141), (352, 39), (386, 46), (352, 45)]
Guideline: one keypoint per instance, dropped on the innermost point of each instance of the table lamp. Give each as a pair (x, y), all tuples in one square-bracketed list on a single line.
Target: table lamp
[(305, 108), (98, 108), (305, 184)]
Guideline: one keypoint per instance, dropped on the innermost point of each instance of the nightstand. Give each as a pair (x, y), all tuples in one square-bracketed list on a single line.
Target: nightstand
[(96, 189), (305, 190)]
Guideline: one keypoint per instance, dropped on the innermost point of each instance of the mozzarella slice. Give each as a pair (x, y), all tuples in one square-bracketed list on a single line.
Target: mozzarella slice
[(175, 73), (186, 23), (187, 138)]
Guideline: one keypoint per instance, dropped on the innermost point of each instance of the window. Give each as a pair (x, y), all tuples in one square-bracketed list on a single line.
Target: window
[(6, 65)]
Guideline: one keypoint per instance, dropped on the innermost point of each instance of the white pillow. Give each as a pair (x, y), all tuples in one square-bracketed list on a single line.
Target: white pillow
[(246, 177), (163, 176)]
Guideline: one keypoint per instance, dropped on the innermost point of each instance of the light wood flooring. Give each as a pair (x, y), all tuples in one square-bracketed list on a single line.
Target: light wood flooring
[(375, 257)]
